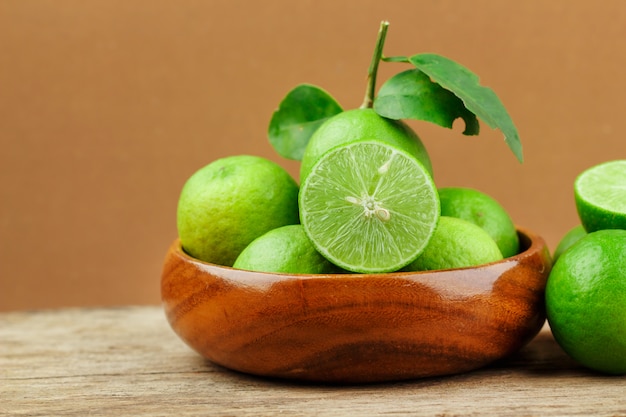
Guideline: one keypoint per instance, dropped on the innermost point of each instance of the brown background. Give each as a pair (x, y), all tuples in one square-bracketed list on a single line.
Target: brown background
[(106, 107)]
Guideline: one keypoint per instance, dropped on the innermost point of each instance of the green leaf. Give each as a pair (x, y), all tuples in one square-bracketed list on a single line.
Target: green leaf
[(299, 114), (481, 101), (412, 95)]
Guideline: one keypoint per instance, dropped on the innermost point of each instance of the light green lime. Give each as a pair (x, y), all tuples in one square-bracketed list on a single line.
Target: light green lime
[(456, 243), (572, 236), (286, 249), (369, 207), (232, 201), (586, 301), (362, 124), (600, 195), (483, 210)]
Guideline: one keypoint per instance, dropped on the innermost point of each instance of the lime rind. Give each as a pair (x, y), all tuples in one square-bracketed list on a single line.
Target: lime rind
[(369, 207)]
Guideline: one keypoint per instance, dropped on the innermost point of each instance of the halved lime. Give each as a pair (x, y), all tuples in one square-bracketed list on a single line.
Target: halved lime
[(600, 194), (369, 207)]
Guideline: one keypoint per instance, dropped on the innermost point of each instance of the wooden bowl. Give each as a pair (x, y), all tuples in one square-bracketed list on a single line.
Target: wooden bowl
[(355, 328)]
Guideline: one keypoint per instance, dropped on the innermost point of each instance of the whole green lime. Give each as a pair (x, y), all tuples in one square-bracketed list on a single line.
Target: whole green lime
[(586, 301), (286, 249), (483, 210), (572, 236), (362, 124), (232, 201), (456, 243)]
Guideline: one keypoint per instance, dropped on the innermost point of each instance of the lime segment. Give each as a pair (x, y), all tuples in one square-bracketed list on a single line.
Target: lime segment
[(369, 207), (600, 194)]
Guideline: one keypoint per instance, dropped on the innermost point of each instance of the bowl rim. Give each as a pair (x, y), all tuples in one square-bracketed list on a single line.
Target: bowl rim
[(530, 241)]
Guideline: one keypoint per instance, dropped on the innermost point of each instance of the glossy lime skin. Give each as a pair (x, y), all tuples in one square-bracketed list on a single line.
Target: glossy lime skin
[(586, 301)]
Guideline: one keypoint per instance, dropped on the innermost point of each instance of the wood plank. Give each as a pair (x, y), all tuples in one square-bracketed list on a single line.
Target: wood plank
[(127, 361)]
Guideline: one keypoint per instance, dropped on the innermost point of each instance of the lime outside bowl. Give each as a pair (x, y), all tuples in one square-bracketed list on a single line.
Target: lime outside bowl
[(357, 328)]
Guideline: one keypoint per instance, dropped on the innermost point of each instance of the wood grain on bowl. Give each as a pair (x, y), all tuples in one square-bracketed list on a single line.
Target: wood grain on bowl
[(354, 328)]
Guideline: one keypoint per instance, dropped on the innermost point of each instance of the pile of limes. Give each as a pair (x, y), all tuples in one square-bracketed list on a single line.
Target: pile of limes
[(367, 203), (586, 289)]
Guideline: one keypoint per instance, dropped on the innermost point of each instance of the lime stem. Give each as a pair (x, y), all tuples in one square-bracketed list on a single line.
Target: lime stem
[(368, 101)]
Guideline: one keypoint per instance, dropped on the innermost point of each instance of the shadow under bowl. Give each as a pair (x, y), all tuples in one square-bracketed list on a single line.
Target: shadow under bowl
[(357, 328)]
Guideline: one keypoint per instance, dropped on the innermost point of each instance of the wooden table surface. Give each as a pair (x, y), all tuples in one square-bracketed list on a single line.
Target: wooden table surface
[(128, 362)]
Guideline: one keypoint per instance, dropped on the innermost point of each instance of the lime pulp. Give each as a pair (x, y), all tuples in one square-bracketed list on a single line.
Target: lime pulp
[(369, 207)]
